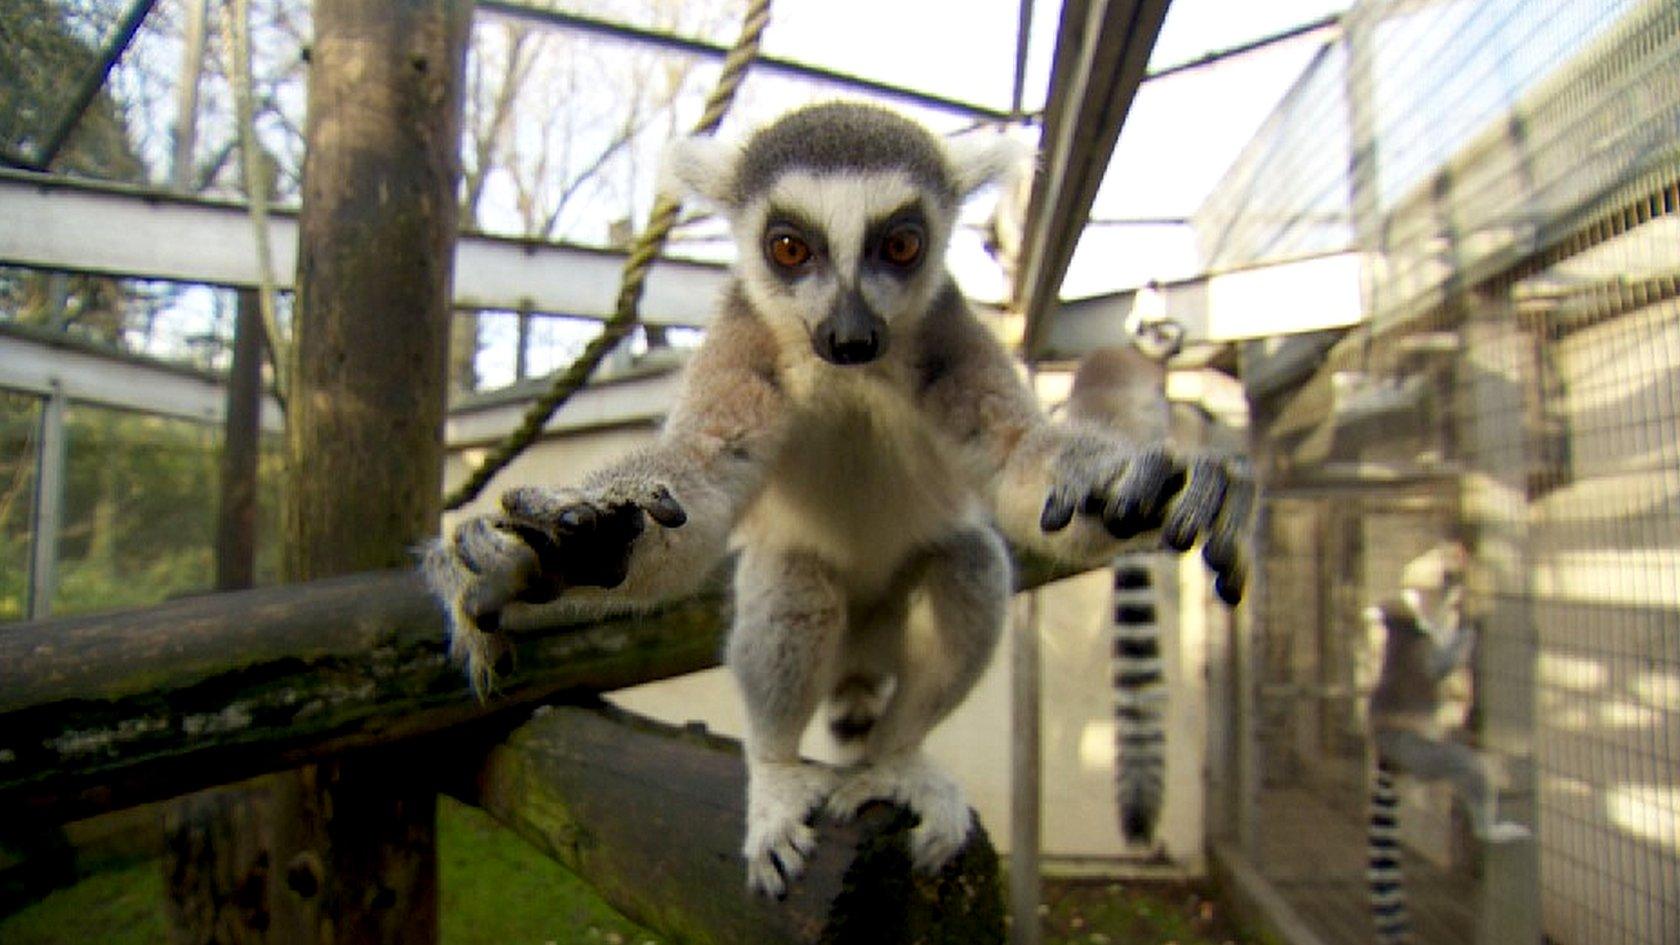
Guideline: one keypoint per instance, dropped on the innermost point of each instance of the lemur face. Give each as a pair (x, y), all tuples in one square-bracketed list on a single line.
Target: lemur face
[(841, 215), (850, 256)]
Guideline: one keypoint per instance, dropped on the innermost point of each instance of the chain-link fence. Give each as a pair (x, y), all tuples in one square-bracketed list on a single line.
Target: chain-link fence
[(1511, 171)]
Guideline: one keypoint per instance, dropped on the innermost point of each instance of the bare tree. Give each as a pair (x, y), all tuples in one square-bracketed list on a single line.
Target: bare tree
[(560, 130)]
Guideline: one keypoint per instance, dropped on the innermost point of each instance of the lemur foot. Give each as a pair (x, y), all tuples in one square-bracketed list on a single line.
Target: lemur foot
[(1132, 491), (541, 543), (781, 797), (930, 794)]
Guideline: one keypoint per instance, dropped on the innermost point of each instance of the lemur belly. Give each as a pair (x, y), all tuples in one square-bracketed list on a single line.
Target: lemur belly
[(863, 488)]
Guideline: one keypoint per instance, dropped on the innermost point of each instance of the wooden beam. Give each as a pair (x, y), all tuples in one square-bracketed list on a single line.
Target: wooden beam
[(60, 223), (652, 817), (105, 711), (116, 709)]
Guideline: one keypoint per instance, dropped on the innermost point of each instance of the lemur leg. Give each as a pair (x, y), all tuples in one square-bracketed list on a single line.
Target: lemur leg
[(1430, 760), (783, 649), (957, 607)]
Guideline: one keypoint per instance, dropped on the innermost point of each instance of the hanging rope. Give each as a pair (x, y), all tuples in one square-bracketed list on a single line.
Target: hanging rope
[(236, 36), (624, 319)]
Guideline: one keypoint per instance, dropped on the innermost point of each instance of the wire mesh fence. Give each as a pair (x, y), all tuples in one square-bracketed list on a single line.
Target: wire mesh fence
[(1512, 174)]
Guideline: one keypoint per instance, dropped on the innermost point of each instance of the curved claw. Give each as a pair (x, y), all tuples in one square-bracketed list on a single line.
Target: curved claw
[(665, 509), (1058, 510)]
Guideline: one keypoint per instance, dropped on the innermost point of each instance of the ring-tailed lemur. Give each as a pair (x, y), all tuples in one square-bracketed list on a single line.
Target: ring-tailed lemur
[(854, 430), (1124, 388), (1425, 639)]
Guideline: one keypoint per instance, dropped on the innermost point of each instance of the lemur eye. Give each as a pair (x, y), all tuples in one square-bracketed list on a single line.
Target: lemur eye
[(902, 245), (788, 251)]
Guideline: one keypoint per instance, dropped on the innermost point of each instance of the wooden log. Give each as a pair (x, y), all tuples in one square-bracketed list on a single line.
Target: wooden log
[(104, 711), (652, 816)]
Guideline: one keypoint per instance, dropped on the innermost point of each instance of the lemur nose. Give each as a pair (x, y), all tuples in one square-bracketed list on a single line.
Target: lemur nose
[(851, 348)]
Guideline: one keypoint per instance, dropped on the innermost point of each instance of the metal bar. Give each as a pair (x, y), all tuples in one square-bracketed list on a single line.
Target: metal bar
[(1219, 55), (47, 517), (1101, 54), (585, 24), (55, 223), (1025, 788), (93, 82)]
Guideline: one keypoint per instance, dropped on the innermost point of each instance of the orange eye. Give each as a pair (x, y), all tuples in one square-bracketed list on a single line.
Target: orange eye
[(789, 252), (902, 246)]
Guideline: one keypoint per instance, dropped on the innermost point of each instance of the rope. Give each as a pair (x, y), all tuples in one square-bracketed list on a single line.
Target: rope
[(236, 35), (624, 319)]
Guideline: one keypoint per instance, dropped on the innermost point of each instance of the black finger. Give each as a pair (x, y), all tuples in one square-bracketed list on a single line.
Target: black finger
[(1058, 510), (1229, 584), (1225, 536), (531, 504), (1195, 506), (1137, 499), (665, 509)]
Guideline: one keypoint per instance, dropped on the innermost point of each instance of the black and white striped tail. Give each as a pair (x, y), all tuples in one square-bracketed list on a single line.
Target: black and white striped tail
[(1140, 692), (1388, 894)]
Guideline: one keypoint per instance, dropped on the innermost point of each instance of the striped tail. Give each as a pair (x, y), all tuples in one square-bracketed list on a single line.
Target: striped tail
[(1139, 694), (1388, 894)]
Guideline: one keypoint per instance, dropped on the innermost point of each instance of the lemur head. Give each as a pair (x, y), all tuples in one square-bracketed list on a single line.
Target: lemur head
[(1433, 582), (842, 214)]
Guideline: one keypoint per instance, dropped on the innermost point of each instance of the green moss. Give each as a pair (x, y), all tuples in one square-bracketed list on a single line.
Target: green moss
[(496, 889)]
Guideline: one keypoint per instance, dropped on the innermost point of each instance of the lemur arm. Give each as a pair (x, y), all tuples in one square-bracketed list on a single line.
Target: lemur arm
[(971, 389), (713, 453), (1073, 491)]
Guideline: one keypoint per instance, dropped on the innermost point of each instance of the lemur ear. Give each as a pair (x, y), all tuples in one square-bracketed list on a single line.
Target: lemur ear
[(986, 158), (701, 167)]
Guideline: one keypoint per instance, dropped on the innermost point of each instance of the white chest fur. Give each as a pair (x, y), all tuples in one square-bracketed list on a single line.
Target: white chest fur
[(863, 482)]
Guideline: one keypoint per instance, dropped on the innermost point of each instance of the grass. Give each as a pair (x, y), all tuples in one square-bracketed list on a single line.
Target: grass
[(116, 907), (496, 890)]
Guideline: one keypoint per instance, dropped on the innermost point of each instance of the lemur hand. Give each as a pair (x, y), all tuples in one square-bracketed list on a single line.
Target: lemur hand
[(1134, 491), (543, 542)]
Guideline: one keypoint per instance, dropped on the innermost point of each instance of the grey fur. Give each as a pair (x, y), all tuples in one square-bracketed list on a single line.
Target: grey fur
[(842, 136)]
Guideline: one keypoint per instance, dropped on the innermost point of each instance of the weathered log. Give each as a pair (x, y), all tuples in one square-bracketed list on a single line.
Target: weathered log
[(100, 712), (652, 816)]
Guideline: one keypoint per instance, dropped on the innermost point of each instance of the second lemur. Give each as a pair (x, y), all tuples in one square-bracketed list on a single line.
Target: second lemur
[(1425, 640)]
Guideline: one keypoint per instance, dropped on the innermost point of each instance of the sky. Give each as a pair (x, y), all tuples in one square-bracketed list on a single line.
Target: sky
[(1183, 132)]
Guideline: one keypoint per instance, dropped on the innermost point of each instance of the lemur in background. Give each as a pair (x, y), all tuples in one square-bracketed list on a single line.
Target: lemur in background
[(1124, 389), (1425, 639), (867, 445)]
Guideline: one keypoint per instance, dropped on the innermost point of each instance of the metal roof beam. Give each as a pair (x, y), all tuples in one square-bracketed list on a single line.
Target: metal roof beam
[(79, 226), (695, 47), (35, 363), (1102, 52)]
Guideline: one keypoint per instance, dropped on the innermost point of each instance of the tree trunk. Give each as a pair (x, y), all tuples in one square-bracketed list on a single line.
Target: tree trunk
[(365, 416), (236, 521)]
